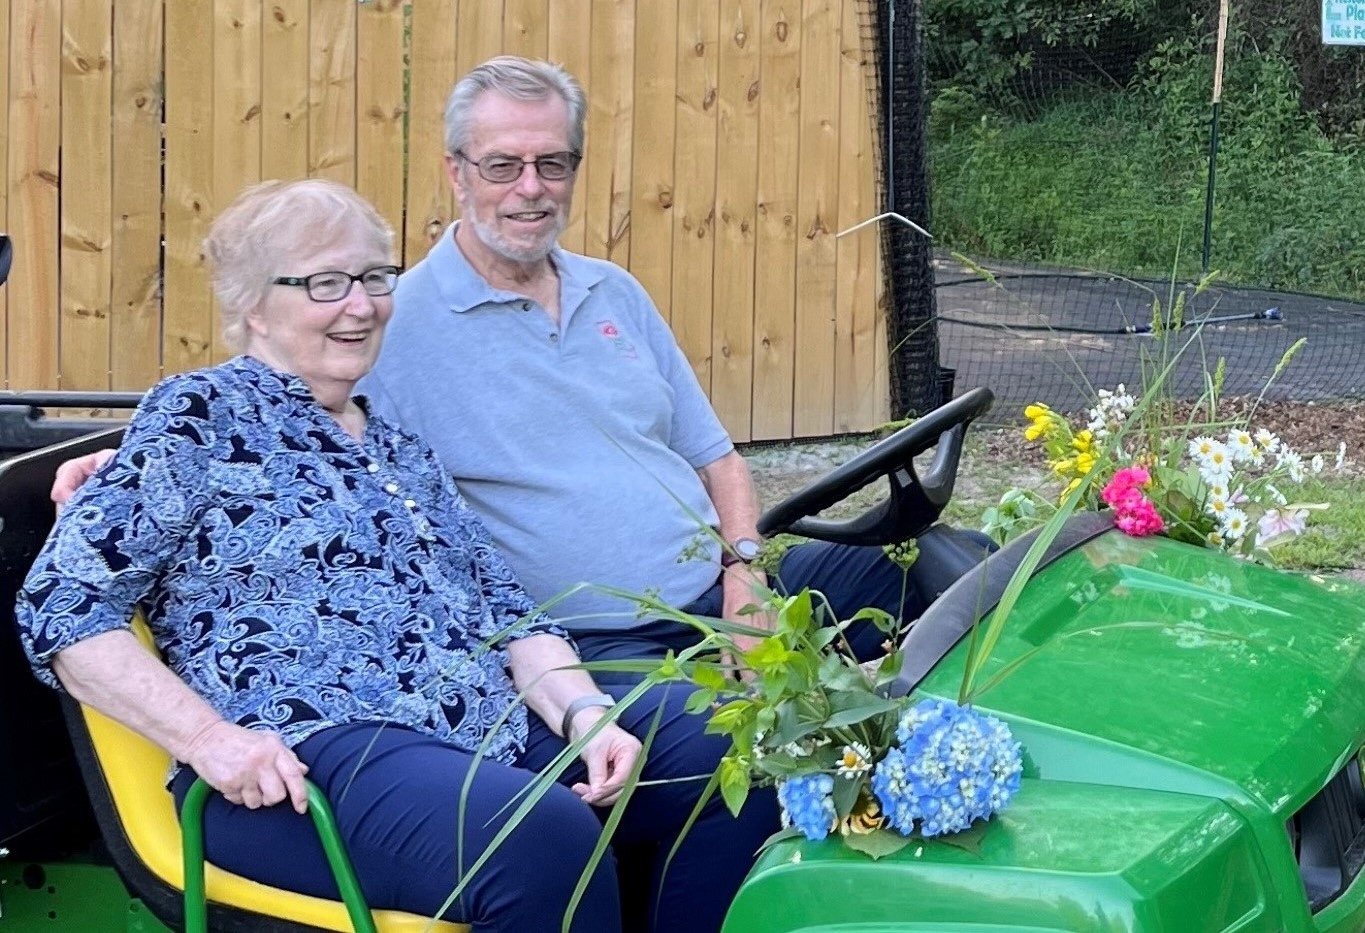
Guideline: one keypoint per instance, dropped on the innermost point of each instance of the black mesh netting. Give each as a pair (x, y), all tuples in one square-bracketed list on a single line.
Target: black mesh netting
[(1057, 337), (1079, 140)]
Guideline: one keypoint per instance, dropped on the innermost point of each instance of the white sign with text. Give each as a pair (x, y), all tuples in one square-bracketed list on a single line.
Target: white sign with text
[(1343, 23)]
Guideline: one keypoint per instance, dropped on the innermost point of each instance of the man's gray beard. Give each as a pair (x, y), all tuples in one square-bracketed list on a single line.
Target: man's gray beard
[(495, 241)]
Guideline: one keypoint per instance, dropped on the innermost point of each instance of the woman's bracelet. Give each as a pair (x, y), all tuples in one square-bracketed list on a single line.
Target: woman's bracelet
[(580, 704)]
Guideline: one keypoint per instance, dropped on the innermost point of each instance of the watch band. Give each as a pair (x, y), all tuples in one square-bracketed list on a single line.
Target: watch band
[(580, 704)]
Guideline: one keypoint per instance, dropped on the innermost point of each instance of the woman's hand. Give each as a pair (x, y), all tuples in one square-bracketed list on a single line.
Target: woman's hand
[(610, 755), (73, 473), (248, 766)]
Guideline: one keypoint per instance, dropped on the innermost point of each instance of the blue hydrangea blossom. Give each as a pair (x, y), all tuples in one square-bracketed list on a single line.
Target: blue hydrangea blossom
[(807, 804)]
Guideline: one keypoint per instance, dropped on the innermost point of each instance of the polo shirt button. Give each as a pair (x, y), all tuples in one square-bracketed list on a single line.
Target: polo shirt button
[(554, 336), (410, 503), (372, 467), (390, 487)]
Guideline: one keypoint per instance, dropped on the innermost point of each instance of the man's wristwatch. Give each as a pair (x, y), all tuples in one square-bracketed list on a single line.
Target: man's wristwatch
[(740, 551), (580, 704)]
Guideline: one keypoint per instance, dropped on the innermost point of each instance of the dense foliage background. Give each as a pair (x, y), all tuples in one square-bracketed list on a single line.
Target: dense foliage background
[(1076, 133)]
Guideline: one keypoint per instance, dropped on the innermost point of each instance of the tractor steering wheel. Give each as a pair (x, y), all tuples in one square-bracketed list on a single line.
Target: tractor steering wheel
[(914, 503)]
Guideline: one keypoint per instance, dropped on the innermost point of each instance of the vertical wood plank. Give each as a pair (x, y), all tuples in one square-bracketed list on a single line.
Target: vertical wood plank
[(775, 273), (284, 95), (86, 224), (570, 45), (236, 113), (188, 326), (430, 205), (34, 173), (526, 28), (6, 54), (860, 388), (695, 196), (816, 216), (604, 184), (478, 37), (732, 378), (135, 291), (379, 107), (652, 169), (331, 90)]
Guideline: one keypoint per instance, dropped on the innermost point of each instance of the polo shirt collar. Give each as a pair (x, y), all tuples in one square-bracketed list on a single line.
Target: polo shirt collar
[(463, 289)]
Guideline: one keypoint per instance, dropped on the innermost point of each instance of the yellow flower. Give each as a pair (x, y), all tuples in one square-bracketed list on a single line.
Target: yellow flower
[(1069, 487), (1085, 462), (1083, 442), (1037, 412), (866, 817), (1064, 467), (1035, 430)]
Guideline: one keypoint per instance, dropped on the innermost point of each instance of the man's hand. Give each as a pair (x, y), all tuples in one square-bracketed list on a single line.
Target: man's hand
[(743, 585), (73, 473), (609, 756), (248, 766)]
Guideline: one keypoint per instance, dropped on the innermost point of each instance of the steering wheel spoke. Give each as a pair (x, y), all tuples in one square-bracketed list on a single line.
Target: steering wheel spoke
[(913, 502)]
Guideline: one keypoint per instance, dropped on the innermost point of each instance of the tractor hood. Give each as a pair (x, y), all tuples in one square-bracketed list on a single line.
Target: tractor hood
[(1148, 663), (1178, 708)]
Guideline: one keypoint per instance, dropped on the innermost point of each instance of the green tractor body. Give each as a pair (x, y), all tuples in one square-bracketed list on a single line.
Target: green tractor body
[(1191, 725)]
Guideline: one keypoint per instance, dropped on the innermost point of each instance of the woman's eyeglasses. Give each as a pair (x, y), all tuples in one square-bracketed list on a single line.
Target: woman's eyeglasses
[(336, 285), (501, 169)]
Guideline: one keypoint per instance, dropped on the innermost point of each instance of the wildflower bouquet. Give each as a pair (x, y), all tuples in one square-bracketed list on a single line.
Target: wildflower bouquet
[(845, 757), (1220, 484)]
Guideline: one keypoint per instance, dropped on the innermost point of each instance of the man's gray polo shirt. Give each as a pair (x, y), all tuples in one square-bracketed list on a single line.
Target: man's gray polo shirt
[(577, 445)]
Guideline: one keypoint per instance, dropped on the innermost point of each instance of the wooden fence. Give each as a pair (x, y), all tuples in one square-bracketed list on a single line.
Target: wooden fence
[(728, 142)]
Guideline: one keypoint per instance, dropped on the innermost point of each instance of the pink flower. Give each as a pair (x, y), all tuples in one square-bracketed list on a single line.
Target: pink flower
[(1129, 479), (1140, 519), (1135, 514), (1277, 523)]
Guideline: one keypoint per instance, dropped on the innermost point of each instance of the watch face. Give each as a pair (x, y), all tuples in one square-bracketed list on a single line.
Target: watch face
[(747, 549)]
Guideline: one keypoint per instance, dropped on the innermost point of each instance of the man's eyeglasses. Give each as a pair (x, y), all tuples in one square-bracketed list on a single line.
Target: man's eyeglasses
[(336, 285), (501, 169)]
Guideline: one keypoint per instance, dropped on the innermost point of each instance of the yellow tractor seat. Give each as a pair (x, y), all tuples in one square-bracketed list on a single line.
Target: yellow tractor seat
[(125, 776)]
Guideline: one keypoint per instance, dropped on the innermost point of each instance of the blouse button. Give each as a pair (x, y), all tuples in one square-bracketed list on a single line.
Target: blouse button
[(410, 503), (390, 487), (372, 467)]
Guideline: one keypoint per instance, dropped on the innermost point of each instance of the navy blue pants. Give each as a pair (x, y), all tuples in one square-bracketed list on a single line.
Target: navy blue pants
[(851, 578), (396, 796)]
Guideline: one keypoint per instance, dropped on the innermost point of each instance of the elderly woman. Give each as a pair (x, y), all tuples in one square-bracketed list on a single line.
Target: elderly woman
[(327, 605)]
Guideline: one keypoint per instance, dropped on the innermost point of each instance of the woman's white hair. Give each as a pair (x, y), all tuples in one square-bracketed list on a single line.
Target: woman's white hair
[(523, 79), (273, 223)]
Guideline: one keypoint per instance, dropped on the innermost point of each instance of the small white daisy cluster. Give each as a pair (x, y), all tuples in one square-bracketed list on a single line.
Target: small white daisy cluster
[(1110, 412), (1238, 472)]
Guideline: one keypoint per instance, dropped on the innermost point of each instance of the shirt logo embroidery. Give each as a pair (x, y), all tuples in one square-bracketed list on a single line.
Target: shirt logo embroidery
[(624, 348)]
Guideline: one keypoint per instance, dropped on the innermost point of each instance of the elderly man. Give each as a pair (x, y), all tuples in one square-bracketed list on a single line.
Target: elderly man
[(558, 399)]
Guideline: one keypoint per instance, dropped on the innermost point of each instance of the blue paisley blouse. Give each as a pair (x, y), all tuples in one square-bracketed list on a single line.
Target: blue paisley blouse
[(293, 577)]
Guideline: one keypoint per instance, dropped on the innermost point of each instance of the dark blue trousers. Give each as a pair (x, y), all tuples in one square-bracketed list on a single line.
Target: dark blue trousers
[(850, 578), (396, 794)]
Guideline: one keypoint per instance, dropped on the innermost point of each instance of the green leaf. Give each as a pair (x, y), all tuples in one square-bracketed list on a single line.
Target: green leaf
[(782, 835), (769, 654), (849, 706), (700, 701), (845, 794), (796, 615), (734, 783), (704, 675), (877, 844), (731, 717), (969, 840)]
